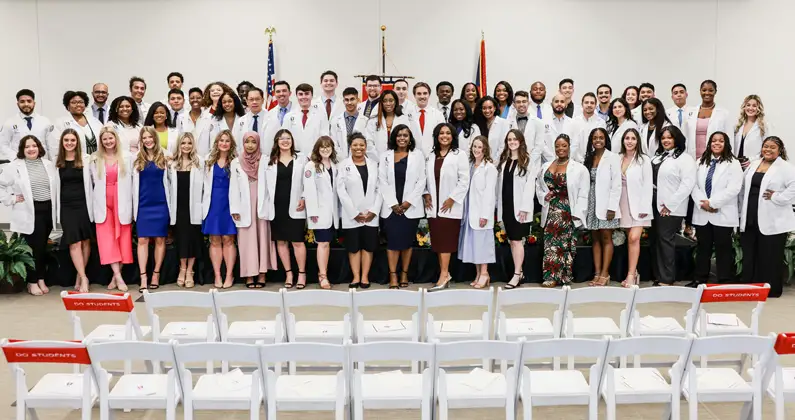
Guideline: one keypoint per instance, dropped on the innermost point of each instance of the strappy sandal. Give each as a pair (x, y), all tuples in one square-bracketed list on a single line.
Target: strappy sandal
[(260, 284), (301, 286), (404, 279), (181, 277), (152, 284), (288, 285), (143, 286), (251, 285), (479, 285), (395, 284), (189, 280), (324, 283)]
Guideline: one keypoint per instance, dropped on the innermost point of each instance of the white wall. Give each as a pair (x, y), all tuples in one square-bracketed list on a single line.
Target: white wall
[(742, 44)]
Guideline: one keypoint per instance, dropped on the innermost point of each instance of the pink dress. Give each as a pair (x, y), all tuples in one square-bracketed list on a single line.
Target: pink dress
[(702, 126), (257, 251), (114, 239), (627, 221)]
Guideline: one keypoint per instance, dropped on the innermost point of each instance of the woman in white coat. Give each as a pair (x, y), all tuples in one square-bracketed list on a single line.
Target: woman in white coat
[(674, 177), (159, 118), (619, 120), (285, 206), (73, 204), (84, 123), (604, 168), (564, 186), (767, 216), (751, 128), (124, 118), (28, 185), (226, 116), (718, 183), (476, 240), (709, 119), (516, 178), (111, 176), (486, 118), (322, 206), (401, 181), (637, 186), (187, 179), (220, 208), (361, 203), (654, 118), (462, 120), (379, 128), (447, 173)]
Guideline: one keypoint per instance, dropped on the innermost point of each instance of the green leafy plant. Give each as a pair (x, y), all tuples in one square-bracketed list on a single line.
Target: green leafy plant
[(16, 257), (789, 255)]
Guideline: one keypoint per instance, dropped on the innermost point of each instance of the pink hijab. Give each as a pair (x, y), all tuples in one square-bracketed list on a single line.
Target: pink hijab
[(250, 161)]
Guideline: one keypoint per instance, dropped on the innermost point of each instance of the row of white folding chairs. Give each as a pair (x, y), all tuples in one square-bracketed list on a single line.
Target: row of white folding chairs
[(354, 390)]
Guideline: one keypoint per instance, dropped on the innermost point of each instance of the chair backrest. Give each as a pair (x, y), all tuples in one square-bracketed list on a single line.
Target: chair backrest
[(726, 344), (178, 299), (559, 347), (42, 351), (252, 298), (650, 345), (716, 293), (670, 294), (370, 298), (601, 295), (215, 351), (391, 350), (479, 349), (75, 302), (525, 295), (318, 298), (303, 352), (459, 297), (131, 350)]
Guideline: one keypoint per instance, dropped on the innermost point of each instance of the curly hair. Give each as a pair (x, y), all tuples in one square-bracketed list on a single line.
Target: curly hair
[(760, 116)]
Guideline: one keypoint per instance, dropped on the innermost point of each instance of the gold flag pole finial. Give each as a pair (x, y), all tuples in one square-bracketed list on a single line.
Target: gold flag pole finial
[(482, 35), (270, 30)]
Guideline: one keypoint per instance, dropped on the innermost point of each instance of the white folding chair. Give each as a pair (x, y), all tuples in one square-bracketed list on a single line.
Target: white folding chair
[(667, 326), (104, 303), (390, 330), (478, 388), (459, 329), (726, 384), (305, 392), (778, 381), (75, 391), (181, 331), (639, 385), (712, 324), (511, 329), (148, 391), (234, 390), (562, 387), (391, 390)]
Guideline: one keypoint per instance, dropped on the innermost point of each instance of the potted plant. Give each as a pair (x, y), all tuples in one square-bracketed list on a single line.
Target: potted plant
[(16, 258)]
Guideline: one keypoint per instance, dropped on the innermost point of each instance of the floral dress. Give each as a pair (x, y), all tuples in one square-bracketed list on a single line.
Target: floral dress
[(560, 241)]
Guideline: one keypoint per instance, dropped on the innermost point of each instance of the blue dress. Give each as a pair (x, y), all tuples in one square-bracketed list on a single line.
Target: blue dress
[(219, 220), (474, 246), (153, 216)]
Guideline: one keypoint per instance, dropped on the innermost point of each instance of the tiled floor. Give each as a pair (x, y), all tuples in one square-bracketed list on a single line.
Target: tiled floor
[(27, 317)]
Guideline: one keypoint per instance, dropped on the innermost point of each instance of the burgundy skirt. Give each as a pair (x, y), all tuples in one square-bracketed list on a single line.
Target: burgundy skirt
[(444, 234)]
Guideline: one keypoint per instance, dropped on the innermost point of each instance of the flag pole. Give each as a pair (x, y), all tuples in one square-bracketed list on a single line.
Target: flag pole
[(270, 30), (383, 50)]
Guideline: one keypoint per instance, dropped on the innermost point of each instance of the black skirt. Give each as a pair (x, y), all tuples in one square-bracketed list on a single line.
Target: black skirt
[(75, 223), (188, 237), (284, 227), (400, 231), (513, 229)]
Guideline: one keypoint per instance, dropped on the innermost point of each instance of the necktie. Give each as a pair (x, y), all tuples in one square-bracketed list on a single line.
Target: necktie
[(328, 108), (350, 121), (708, 186), (444, 111), (176, 117), (538, 111), (305, 117), (101, 115), (282, 113), (680, 118), (255, 126), (422, 121), (29, 120)]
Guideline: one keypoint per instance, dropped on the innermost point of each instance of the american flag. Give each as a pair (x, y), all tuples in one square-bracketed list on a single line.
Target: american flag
[(271, 101), (480, 75)]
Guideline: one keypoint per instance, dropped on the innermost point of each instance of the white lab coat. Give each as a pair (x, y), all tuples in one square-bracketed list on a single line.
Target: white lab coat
[(143, 109), (86, 190), (12, 131), (578, 183), (53, 141), (651, 145), (482, 196), (608, 185), (306, 136), (320, 194), (464, 141), (378, 138), (640, 187), (523, 190), (617, 137), (673, 115), (775, 216), (196, 185), (637, 113), (412, 189), (675, 181), (373, 112), (551, 133), (207, 193), (424, 138), (247, 124), (267, 209), (173, 141), (186, 124), (337, 105), (14, 180), (719, 121), (124, 203), (546, 111), (338, 130), (239, 189), (409, 107), (497, 133), (136, 185), (727, 181), (583, 128), (453, 183), (752, 147), (211, 129), (272, 126), (446, 114), (353, 198), (533, 136), (128, 136)]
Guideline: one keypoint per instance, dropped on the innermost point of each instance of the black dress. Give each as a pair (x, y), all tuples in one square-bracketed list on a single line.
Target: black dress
[(515, 231), (284, 227), (187, 235), (400, 231), (74, 210)]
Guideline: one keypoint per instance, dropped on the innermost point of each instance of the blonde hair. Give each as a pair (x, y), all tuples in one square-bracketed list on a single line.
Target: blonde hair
[(760, 116), (99, 156), (193, 157), (158, 157), (212, 158)]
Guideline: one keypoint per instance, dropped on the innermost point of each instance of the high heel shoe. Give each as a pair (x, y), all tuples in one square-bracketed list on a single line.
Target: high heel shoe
[(404, 279), (395, 284), (300, 285), (189, 283), (445, 285), (152, 284), (288, 284), (143, 283), (181, 277), (600, 281), (480, 285), (509, 285)]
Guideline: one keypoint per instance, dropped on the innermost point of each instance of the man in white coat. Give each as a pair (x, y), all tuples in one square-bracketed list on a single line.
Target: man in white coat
[(137, 92), (100, 109), (255, 120), (444, 95), (308, 122), (328, 99), (401, 88), (679, 112), (558, 124), (176, 105), (277, 114), (424, 120), (604, 94), (25, 122), (585, 123), (538, 93), (531, 127), (349, 122), (369, 107)]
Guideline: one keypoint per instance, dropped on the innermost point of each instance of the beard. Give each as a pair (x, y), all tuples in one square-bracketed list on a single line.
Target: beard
[(559, 109)]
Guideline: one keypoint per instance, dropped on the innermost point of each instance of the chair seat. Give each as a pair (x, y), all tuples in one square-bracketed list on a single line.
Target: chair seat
[(788, 374), (306, 388), (252, 330), (181, 331), (233, 386), (325, 331), (597, 326), (649, 325), (63, 390), (388, 330), (479, 388), (718, 384), (393, 390), (458, 329), (524, 327), (717, 329), (112, 332), (141, 386), (632, 382), (550, 383)]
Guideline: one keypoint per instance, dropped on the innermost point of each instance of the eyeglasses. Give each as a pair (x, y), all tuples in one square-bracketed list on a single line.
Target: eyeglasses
[(77, 102)]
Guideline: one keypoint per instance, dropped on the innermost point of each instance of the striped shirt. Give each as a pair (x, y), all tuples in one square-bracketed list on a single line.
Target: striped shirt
[(39, 182)]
